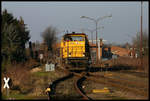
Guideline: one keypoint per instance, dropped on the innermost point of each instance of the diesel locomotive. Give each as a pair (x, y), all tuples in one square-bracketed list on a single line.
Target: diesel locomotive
[(75, 50)]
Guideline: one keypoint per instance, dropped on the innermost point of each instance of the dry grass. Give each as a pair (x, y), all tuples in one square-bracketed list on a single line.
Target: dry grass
[(31, 63), (146, 63), (20, 76), (133, 63), (29, 83), (130, 62)]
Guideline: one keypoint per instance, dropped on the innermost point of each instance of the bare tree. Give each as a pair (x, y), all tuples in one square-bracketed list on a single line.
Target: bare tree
[(49, 36), (136, 42)]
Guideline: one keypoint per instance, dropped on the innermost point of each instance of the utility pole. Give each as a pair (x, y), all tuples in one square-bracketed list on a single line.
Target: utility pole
[(96, 23), (141, 40)]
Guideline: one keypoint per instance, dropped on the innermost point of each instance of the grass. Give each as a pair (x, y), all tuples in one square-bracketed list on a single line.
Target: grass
[(43, 74), (115, 97), (21, 97), (50, 74), (134, 63), (15, 96), (118, 98), (31, 84)]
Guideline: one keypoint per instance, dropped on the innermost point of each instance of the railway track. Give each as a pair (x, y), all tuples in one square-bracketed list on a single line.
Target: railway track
[(77, 84), (79, 89), (55, 83), (138, 74), (120, 81), (119, 84)]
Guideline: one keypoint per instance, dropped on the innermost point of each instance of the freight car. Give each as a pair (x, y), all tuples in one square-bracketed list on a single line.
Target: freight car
[(75, 50)]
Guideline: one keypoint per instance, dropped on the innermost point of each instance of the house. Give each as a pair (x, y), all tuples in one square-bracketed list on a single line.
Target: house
[(120, 51)]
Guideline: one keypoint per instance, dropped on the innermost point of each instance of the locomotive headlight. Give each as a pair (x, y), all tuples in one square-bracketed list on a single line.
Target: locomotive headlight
[(69, 54), (83, 54)]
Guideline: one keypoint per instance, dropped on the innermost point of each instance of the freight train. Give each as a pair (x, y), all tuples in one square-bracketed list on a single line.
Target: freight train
[(75, 50)]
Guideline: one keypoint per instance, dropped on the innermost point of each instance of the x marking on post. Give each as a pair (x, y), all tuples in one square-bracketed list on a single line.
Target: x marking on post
[(6, 82)]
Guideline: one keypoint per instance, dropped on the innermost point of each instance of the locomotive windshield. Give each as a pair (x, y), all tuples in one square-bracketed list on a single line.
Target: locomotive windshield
[(77, 38), (74, 38)]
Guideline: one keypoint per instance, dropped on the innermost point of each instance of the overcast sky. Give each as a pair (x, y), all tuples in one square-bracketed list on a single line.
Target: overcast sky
[(125, 21)]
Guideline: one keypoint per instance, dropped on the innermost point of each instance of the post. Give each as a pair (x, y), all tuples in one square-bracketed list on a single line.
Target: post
[(141, 40), (96, 44), (61, 49), (92, 37), (7, 91), (6, 85), (99, 50), (96, 21), (101, 43)]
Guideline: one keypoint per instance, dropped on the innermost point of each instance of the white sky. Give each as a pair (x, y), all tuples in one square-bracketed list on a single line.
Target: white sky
[(125, 21)]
